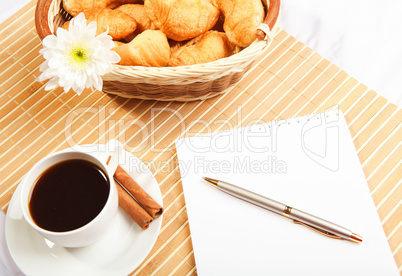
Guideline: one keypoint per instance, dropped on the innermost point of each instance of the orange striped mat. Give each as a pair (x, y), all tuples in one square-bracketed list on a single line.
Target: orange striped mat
[(289, 80)]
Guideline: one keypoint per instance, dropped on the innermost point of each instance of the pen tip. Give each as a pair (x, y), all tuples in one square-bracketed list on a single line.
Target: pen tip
[(356, 238), (211, 181)]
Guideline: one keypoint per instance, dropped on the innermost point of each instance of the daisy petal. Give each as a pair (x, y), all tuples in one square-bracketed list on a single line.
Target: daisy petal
[(98, 84), (52, 83), (44, 66), (91, 29), (114, 57), (66, 88), (50, 41), (80, 19)]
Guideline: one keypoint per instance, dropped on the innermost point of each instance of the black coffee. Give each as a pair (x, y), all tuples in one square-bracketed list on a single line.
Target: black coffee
[(68, 195)]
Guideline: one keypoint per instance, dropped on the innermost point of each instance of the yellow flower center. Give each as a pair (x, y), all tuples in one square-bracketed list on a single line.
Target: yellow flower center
[(78, 56)]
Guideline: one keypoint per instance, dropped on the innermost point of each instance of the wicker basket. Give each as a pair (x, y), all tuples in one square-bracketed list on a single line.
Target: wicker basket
[(181, 83)]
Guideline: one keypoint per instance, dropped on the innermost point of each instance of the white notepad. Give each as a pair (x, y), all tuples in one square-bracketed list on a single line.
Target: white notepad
[(309, 163)]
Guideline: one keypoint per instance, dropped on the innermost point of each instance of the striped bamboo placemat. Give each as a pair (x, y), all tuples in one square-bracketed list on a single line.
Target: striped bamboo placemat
[(288, 80)]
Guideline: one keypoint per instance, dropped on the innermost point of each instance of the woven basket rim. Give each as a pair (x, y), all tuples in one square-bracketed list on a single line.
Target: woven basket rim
[(189, 73)]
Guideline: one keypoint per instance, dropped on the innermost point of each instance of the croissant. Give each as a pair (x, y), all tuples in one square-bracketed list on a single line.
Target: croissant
[(74, 7), (118, 43), (242, 18), (120, 24), (139, 14), (182, 19), (208, 47), (150, 48), (175, 45)]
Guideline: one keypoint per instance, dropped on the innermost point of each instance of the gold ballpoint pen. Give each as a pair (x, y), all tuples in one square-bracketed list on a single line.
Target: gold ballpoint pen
[(322, 226)]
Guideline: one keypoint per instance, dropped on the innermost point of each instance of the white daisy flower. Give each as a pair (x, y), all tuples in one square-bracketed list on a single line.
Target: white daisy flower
[(77, 58)]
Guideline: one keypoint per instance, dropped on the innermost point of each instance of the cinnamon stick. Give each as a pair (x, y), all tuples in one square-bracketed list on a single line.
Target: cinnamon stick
[(131, 207), (145, 200)]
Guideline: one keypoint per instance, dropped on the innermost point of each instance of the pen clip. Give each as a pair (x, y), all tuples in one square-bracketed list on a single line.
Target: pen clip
[(325, 233)]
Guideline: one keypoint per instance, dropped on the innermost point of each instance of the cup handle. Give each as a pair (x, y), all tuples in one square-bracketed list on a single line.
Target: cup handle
[(111, 158)]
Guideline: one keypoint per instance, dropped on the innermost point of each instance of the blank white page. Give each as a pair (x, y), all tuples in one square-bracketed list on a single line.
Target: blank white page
[(309, 163)]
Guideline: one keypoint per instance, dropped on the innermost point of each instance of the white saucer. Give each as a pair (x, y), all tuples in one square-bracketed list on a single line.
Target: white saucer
[(122, 250)]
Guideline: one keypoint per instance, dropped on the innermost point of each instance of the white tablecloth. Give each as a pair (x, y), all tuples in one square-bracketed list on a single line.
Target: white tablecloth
[(362, 37)]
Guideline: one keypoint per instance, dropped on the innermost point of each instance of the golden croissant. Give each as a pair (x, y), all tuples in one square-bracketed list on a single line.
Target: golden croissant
[(140, 16), (120, 24), (74, 7), (150, 48), (242, 18), (182, 19), (212, 45)]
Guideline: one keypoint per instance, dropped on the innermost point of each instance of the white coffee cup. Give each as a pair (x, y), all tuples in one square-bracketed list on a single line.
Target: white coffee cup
[(107, 161)]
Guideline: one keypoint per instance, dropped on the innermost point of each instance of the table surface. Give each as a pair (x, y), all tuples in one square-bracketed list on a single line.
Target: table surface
[(288, 80)]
